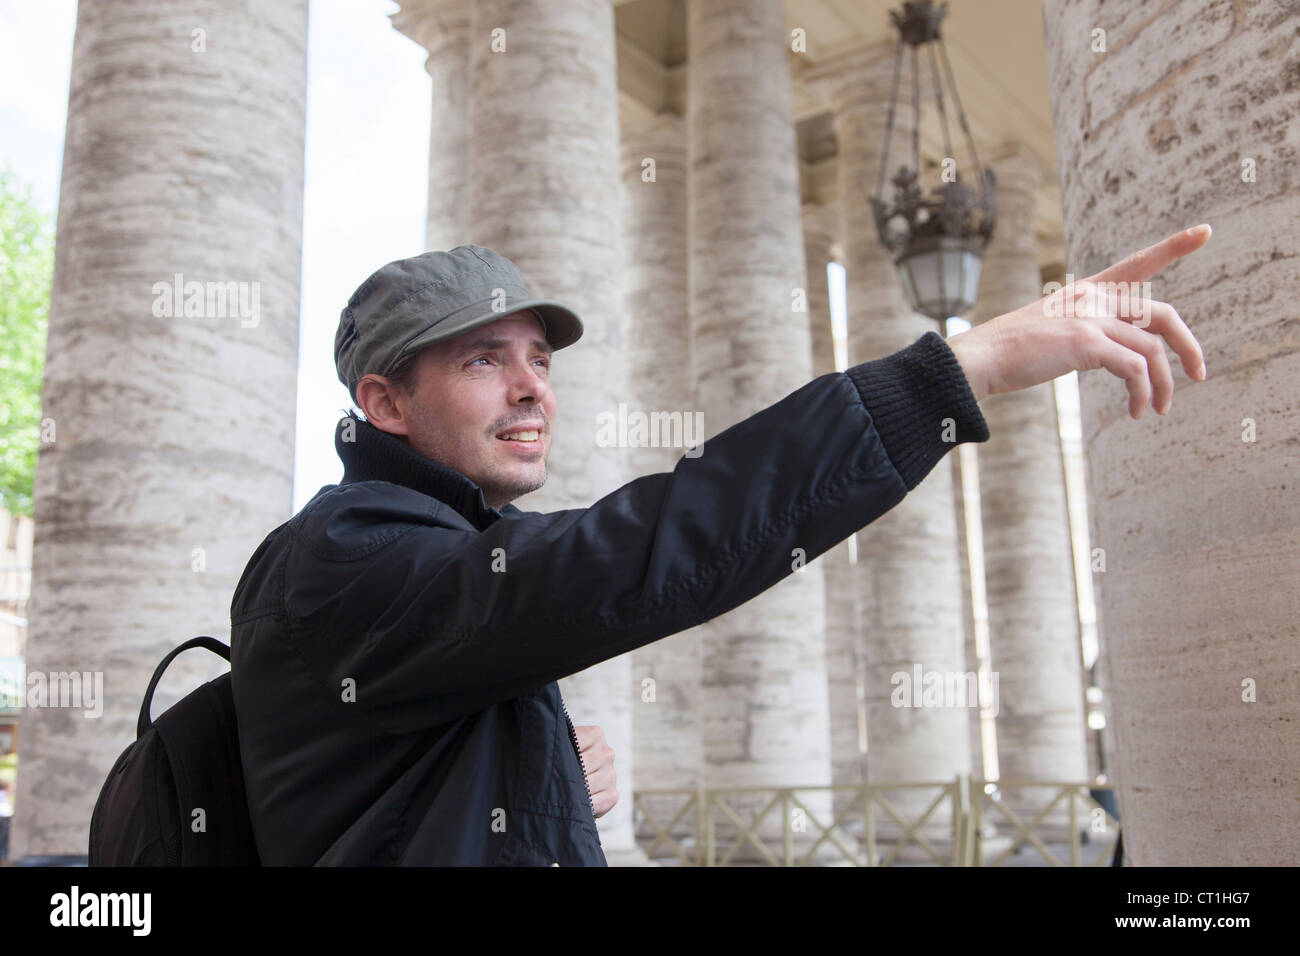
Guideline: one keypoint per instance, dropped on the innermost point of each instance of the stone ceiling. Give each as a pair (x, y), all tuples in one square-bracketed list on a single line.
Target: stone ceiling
[(997, 55)]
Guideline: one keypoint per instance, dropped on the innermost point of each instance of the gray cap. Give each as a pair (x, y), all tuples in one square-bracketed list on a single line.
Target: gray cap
[(413, 303)]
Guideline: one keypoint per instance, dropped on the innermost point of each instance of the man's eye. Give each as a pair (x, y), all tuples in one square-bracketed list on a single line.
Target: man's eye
[(481, 358)]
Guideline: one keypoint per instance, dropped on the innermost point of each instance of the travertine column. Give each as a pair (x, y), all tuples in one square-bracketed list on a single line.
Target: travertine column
[(909, 578), (764, 710), (820, 225), (442, 28), (169, 425), (545, 192), (1186, 118), (666, 734), (1028, 565)]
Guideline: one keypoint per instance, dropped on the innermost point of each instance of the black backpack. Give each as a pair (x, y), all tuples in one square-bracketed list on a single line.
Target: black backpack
[(186, 761)]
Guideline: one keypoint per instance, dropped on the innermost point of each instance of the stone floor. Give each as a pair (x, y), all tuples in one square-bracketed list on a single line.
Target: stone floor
[(1026, 855)]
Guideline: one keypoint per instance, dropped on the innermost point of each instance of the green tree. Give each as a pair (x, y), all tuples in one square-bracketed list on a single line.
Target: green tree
[(26, 277)]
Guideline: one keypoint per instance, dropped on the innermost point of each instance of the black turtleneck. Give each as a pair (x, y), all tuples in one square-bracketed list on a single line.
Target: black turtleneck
[(375, 455)]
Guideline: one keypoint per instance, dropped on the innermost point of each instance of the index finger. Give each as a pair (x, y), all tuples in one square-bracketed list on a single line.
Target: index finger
[(1145, 263)]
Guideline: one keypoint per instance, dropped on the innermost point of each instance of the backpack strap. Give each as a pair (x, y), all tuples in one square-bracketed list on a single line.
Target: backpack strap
[(211, 643)]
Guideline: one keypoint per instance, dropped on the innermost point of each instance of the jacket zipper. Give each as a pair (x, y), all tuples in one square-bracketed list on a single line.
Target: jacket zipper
[(573, 736)]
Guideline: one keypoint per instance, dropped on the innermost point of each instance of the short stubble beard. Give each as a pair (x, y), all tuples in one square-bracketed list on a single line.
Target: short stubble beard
[(496, 493)]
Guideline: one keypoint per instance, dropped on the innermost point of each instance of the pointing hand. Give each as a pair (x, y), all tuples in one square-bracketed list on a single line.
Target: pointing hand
[(1103, 321)]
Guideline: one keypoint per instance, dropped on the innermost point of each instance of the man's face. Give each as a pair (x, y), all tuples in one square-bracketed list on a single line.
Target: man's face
[(474, 398)]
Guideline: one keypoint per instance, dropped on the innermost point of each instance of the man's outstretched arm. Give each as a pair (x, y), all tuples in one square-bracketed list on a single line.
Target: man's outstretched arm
[(474, 618), (468, 618)]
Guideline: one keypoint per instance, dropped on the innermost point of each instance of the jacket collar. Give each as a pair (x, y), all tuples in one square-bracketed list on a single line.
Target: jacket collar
[(371, 454)]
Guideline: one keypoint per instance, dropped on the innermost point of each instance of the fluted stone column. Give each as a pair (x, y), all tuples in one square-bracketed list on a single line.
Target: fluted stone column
[(1186, 119), (545, 192), (1029, 567), (167, 450), (764, 711), (442, 28), (820, 227), (909, 579), (666, 734)]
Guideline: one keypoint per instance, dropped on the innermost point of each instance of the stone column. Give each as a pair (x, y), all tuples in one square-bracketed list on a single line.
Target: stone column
[(909, 577), (545, 191), (1184, 119), (764, 712), (820, 225), (1028, 565), (168, 433), (666, 735), (442, 28)]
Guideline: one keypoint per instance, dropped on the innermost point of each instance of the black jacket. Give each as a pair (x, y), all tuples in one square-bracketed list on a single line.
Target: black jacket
[(395, 688)]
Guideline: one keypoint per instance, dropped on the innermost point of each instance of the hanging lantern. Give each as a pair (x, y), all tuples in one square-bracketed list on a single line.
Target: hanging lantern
[(938, 241)]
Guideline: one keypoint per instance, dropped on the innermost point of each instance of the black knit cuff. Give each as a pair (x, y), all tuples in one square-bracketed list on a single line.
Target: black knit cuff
[(921, 404)]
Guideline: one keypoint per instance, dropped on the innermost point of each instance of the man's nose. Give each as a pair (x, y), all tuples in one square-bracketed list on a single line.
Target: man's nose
[(528, 382)]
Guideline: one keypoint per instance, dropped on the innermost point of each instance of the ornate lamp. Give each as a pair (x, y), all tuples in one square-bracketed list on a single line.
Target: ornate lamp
[(938, 241)]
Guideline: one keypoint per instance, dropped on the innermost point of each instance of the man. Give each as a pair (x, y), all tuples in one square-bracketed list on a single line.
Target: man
[(396, 644)]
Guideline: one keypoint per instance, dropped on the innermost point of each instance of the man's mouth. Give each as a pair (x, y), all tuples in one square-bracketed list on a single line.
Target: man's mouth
[(525, 434)]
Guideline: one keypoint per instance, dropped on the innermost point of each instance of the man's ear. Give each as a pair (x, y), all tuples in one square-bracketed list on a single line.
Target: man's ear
[(385, 404)]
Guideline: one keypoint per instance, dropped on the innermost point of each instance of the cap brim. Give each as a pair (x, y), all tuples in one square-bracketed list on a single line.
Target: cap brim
[(562, 325)]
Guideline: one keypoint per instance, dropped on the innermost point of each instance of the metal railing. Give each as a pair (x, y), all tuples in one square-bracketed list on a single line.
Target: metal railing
[(706, 827), (985, 795)]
